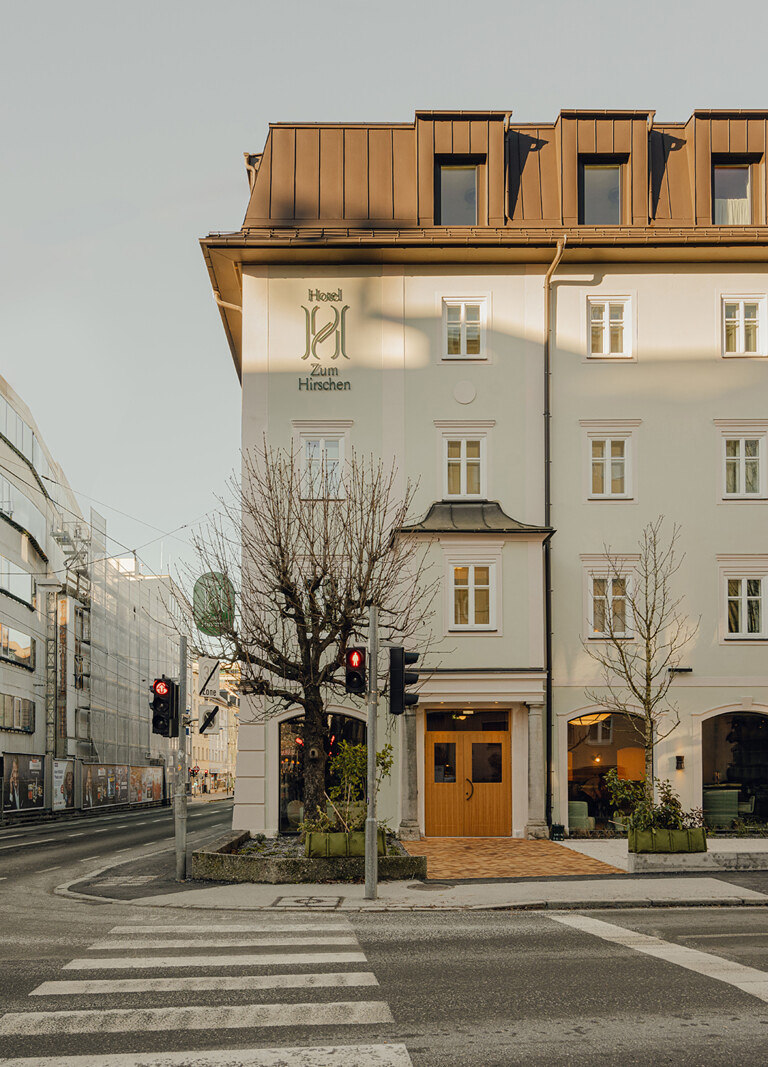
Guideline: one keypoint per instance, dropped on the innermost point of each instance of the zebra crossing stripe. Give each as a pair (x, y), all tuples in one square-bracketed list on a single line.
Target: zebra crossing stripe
[(327, 1056), (261, 959), (179, 984), (220, 1017), (237, 928), (216, 942)]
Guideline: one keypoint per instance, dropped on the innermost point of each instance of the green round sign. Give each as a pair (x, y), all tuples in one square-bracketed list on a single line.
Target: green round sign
[(213, 604)]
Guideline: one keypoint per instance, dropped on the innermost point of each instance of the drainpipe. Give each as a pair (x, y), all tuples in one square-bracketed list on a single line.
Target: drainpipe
[(548, 517), (224, 304)]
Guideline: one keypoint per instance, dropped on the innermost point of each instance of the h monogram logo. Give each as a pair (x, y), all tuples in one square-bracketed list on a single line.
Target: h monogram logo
[(333, 331)]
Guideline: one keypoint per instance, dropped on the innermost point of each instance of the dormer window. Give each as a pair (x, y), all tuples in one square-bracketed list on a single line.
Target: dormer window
[(731, 195), (600, 193), (456, 193)]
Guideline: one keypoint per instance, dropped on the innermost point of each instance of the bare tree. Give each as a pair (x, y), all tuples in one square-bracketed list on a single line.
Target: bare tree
[(644, 635), (306, 547)]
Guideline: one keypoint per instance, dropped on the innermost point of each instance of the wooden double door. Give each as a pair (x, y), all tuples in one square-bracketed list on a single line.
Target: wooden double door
[(468, 788)]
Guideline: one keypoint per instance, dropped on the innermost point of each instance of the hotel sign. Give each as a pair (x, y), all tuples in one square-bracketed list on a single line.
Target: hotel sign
[(325, 338)]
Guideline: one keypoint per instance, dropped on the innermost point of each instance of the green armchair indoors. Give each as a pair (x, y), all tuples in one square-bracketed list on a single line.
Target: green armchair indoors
[(578, 816), (721, 807)]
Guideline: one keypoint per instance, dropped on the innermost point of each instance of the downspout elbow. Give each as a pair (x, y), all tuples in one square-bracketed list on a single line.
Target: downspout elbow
[(226, 304)]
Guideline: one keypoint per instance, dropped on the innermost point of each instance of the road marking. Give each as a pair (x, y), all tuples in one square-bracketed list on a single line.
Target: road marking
[(329, 1056), (46, 869), (87, 859), (128, 963), (695, 937), (748, 979), (27, 844), (179, 985), (4, 878), (126, 849), (80, 833), (216, 942), (104, 830), (219, 1017), (236, 928)]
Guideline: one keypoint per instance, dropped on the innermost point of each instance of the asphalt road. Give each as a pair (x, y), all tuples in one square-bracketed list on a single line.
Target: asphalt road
[(100, 839), (123, 985)]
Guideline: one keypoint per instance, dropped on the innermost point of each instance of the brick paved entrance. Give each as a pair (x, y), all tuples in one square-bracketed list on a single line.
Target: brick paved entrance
[(502, 857)]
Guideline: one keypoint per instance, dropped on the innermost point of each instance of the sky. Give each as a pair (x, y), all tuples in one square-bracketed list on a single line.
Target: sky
[(123, 130)]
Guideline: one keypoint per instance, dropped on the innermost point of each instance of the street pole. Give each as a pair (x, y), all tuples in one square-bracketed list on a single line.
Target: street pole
[(180, 794), (371, 843)]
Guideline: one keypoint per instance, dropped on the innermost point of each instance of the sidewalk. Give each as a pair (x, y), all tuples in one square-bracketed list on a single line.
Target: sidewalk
[(148, 881)]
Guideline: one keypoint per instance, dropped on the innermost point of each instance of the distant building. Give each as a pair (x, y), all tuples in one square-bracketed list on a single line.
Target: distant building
[(560, 330), (83, 635), (212, 757)]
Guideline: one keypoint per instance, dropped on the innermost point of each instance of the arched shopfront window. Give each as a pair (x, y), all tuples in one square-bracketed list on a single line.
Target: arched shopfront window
[(734, 758), (598, 741), (339, 728)]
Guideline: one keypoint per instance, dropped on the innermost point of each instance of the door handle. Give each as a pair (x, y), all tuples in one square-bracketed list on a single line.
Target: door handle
[(472, 787)]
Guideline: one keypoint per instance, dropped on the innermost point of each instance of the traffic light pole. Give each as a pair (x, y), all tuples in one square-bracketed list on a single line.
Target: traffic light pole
[(180, 787), (371, 843)]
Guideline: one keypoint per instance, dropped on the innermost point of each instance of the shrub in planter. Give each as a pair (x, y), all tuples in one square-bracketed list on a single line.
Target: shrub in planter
[(338, 831), (661, 826)]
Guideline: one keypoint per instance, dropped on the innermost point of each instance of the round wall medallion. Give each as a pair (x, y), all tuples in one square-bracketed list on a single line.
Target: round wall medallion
[(464, 392)]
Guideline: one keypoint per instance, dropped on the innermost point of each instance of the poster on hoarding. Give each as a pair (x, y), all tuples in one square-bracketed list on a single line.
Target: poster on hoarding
[(23, 784), (146, 784), (63, 784), (121, 784)]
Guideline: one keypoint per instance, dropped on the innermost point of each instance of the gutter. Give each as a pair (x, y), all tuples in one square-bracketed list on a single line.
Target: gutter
[(547, 518)]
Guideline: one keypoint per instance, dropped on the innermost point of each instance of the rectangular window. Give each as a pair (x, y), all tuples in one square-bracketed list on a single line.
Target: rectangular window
[(464, 329), (609, 333), (743, 462), (609, 471), (17, 713), (745, 607), (323, 458), (601, 732), (731, 195), (464, 467), (609, 607), (472, 597), (600, 194), (743, 326), (456, 195), (17, 646), (16, 581)]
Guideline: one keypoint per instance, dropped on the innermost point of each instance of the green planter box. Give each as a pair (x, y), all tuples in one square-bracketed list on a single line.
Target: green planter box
[(667, 840), (328, 846)]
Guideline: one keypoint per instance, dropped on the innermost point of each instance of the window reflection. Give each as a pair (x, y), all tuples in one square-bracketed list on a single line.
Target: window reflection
[(445, 761), (338, 728)]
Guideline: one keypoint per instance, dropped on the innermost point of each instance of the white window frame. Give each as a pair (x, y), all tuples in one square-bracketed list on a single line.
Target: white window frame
[(743, 568), (324, 430), (461, 302), (475, 553), (762, 332), (743, 430), (471, 587), (611, 430), (596, 566), (454, 430), (605, 301)]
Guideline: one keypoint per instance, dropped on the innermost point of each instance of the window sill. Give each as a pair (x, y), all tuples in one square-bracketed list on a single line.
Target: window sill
[(607, 499), (613, 357), (464, 359), (752, 498), (15, 663), (607, 637), (744, 639), (744, 355), (472, 630)]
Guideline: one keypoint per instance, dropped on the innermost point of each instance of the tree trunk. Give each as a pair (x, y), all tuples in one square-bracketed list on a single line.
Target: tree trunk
[(314, 769), (649, 760)]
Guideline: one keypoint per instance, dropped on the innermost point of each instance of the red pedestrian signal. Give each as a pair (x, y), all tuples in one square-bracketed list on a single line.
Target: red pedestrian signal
[(354, 671), (165, 710)]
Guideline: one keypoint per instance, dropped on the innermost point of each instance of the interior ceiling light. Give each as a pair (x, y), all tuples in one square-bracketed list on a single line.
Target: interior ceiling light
[(590, 720)]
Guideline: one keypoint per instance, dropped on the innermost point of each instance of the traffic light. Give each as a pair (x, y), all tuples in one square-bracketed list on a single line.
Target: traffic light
[(165, 709), (399, 678), (354, 668)]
